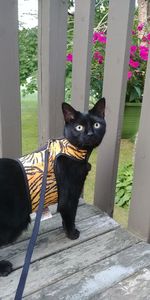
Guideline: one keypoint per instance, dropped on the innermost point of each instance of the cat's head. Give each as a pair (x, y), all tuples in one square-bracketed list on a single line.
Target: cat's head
[(85, 130)]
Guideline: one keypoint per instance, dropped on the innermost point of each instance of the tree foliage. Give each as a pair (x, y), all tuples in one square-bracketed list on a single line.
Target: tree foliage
[(28, 59)]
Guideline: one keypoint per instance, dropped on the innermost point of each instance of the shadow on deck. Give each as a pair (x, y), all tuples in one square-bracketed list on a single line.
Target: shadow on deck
[(106, 262)]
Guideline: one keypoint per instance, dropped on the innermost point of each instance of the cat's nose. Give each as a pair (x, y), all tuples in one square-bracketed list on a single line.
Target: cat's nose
[(90, 132)]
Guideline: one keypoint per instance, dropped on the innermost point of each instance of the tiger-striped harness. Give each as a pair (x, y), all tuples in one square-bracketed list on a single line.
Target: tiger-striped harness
[(34, 167)]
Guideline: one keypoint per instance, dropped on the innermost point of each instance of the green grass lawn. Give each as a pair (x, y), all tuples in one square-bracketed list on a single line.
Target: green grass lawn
[(30, 143), (29, 118)]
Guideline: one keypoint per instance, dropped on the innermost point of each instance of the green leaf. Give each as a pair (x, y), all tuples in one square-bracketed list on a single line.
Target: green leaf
[(138, 90)]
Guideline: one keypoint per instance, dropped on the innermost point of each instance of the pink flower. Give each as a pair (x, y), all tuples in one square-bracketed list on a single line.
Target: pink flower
[(99, 36), (144, 38), (97, 56), (144, 52), (129, 74), (134, 64), (144, 48), (95, 36), (69, 57), (144, 55), (101, 59), (148, 36), (140, 26), (133, 32), (102, 38), (133, 49)]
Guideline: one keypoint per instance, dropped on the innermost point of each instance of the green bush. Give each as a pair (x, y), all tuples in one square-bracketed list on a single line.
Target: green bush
[(28, 40), (124, 185)]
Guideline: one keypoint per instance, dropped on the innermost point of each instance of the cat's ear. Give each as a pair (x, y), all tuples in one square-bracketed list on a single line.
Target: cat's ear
[(99, 108), (69, 112)]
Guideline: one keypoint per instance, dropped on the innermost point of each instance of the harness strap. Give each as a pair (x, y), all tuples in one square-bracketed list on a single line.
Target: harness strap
[(23, 277)]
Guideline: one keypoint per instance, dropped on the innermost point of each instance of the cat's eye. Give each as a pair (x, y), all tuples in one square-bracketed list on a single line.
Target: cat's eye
[(97, 125), (79, 128)]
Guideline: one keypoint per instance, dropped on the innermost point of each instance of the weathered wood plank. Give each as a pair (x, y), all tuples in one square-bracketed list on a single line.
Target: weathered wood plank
[(55, 241), (115, 78), (10, 106), (99, 276), (70, 261), (55, 222), (135, 287), (141, 185), (51, 71), (82, 44)]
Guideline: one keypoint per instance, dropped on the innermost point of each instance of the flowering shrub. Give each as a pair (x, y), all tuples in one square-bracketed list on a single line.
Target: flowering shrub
[(97, 66), (137, 63)]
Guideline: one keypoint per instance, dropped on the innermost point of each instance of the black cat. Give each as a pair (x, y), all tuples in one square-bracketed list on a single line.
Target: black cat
[(84, 131)]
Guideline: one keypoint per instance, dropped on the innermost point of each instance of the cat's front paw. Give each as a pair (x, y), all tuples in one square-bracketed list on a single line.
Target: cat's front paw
[(5, 268), (74, 234)]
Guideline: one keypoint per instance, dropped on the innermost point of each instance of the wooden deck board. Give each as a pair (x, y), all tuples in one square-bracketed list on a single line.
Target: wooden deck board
[(55, 241), (134, 287), (93, 280), (101, 263)]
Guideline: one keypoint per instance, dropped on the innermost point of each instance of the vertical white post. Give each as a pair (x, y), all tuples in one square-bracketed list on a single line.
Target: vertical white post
[(139, 214), (10, 112), (115, 79), (83, 29), (52, 61)]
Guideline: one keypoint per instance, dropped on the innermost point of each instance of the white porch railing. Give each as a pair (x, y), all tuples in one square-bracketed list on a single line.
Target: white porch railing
[(10, 111), (52, 56)]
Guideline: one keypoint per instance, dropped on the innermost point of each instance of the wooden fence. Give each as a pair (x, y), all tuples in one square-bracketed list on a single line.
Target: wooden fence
[(52, 60)]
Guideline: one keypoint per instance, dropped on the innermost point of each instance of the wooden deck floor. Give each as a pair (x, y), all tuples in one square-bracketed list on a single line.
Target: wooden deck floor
[(106, 262)]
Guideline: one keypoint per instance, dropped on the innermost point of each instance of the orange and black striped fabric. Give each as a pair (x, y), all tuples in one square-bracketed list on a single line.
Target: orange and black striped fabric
[(34, 167)]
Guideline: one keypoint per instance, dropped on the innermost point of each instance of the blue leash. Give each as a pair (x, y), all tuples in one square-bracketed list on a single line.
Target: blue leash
[(24, 274)]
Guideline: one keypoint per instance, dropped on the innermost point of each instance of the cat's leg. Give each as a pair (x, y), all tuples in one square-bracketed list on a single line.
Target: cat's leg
[(68, 214), (70, 176), (68, 211)]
